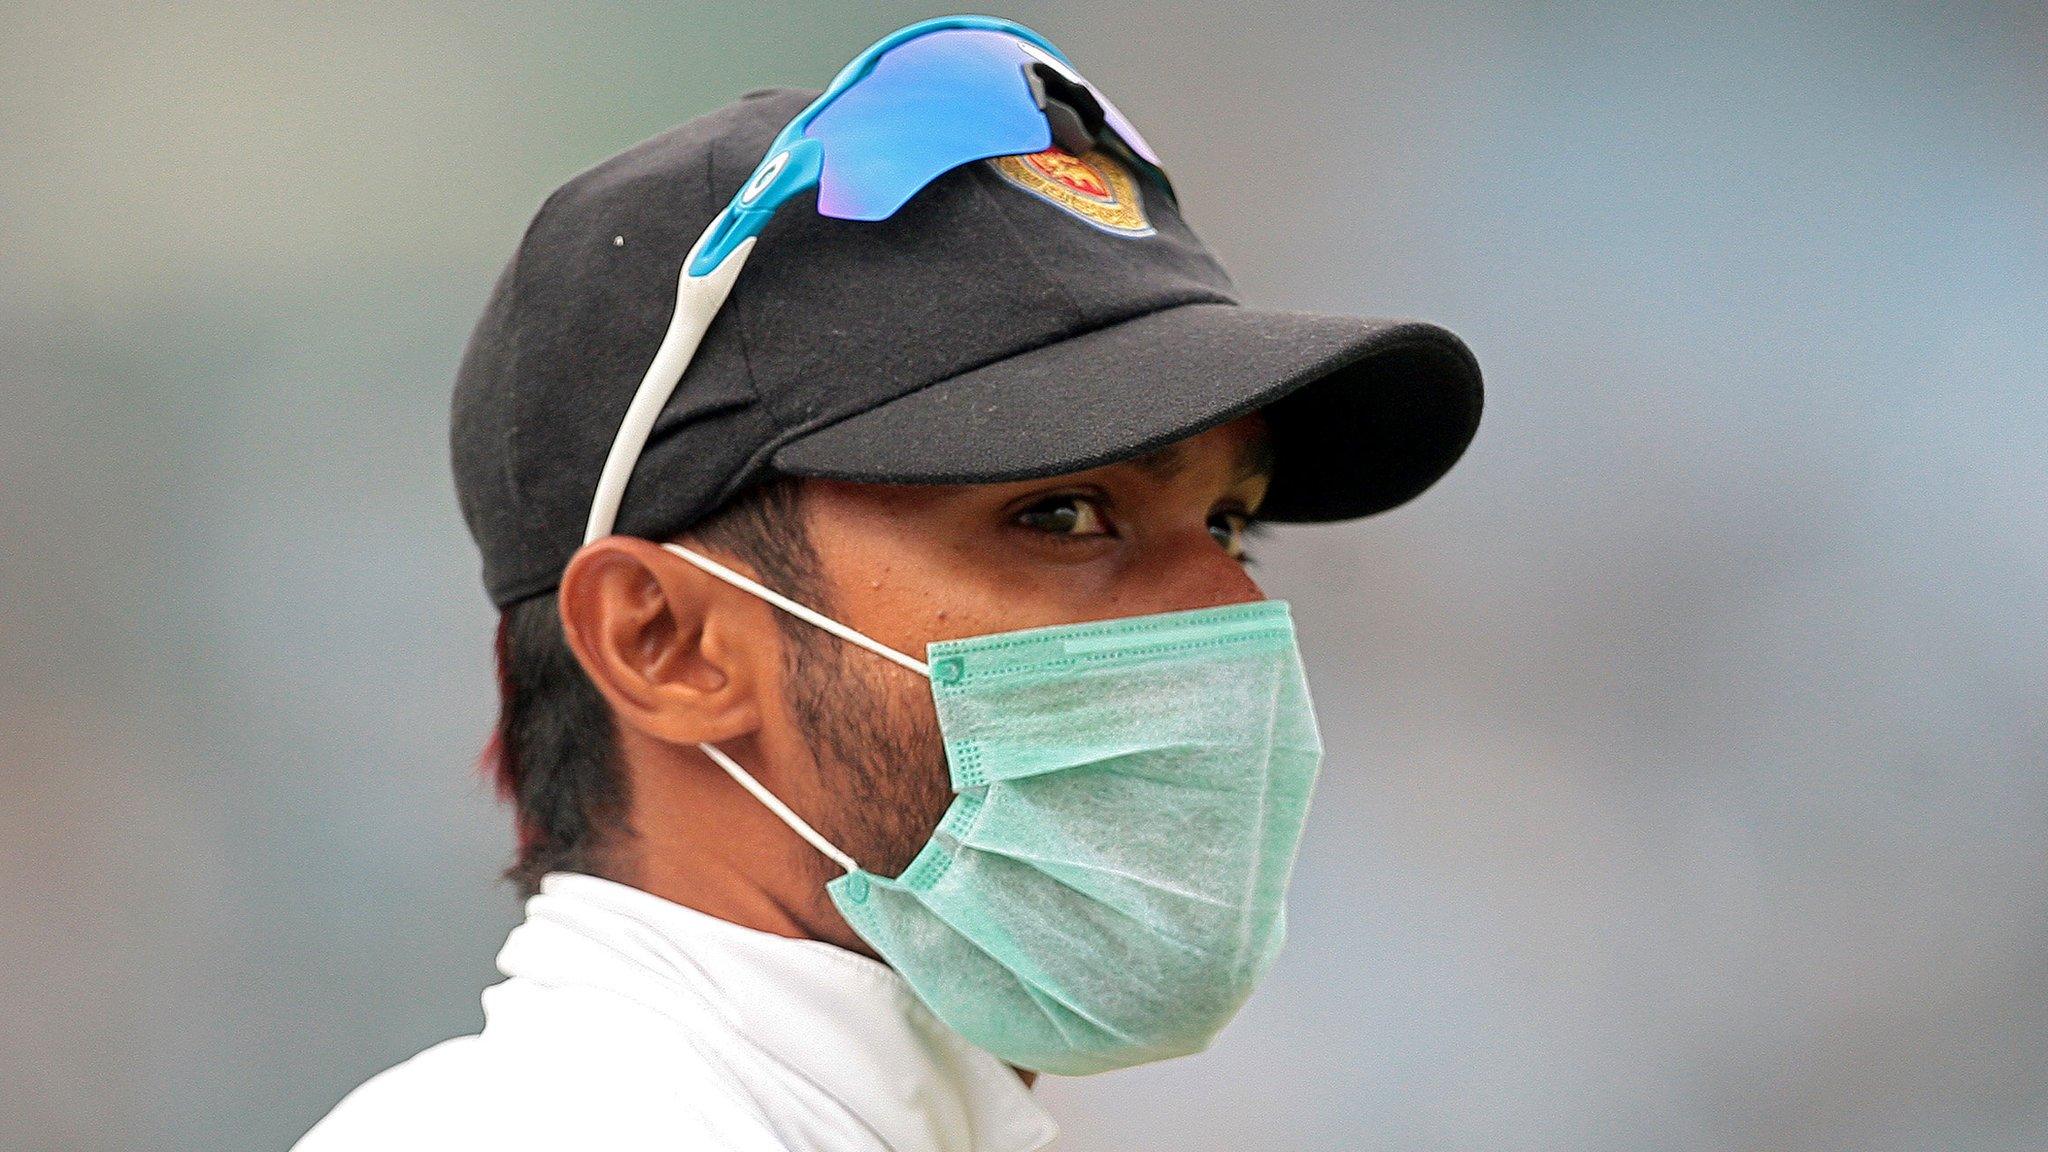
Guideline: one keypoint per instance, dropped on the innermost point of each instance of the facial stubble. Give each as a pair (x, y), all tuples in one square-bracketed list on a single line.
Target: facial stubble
[(872, 730)]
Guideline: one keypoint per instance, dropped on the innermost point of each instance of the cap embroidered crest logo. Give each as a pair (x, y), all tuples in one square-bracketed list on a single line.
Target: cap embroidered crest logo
[(1094, 187)]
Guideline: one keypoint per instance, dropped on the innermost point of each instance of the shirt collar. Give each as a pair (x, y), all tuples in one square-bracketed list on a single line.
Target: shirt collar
[(849, 1026)]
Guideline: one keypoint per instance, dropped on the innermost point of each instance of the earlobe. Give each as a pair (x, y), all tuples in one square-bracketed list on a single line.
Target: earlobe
[(657, 639)]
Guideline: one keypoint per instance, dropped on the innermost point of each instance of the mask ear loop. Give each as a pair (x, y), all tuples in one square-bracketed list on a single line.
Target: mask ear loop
[(796, 823), (746, 779), (807, 615)]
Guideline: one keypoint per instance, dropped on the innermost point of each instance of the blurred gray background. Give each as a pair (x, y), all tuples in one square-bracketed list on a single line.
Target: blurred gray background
[(1687, 785)]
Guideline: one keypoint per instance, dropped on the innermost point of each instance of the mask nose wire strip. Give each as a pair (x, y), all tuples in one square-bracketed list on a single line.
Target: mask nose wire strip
[(797, 610), (796, 823)]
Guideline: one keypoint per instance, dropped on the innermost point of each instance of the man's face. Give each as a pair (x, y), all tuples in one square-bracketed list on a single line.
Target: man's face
[(909, 565)]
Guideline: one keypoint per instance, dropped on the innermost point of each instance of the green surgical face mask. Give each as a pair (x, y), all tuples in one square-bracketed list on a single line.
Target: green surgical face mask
[(1109, 882)]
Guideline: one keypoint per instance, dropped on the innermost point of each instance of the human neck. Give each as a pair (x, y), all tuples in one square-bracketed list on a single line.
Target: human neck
[(700, 841), (753, 871)]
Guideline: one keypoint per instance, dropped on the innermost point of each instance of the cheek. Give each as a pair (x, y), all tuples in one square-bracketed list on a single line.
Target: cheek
[(1019, 597), (1191, 573), (909, 602), (975, 578), (913, 783), (882, 770), (908, 577)]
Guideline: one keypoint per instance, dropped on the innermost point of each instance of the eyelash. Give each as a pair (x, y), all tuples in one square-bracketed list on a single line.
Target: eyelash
[(1247, 527), (1242, 525)]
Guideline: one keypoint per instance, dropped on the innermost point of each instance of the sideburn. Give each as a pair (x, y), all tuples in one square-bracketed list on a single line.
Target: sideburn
[(873, 731)]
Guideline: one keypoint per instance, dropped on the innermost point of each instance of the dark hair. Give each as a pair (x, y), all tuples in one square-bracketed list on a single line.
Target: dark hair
[(554, 754)]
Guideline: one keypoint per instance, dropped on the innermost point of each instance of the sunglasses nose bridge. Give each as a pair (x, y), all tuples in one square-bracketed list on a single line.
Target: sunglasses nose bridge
[(1071, 110)]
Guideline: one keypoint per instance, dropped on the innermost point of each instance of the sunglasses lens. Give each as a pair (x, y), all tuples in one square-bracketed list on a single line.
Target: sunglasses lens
[(1123, 127), (1111, 114), (929, 105)]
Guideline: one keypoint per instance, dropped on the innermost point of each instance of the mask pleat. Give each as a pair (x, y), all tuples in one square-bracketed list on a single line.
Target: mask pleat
[(1109, 884)]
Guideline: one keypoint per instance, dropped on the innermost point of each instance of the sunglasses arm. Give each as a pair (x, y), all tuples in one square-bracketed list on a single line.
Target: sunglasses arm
[(698, 299)]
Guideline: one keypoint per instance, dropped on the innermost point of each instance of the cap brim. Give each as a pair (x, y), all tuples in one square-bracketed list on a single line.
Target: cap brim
[(1364, 414)]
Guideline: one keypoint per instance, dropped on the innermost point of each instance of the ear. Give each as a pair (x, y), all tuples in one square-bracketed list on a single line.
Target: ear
[(679, 655)]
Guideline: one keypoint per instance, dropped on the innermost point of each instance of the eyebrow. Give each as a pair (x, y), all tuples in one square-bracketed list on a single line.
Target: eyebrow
[(1254, 459)]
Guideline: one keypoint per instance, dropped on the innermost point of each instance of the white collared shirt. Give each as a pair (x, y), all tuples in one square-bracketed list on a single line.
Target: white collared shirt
[(632, 1022)]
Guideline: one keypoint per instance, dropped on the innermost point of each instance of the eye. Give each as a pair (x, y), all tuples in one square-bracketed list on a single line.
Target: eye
[(1231, 530), (1070, 514)]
